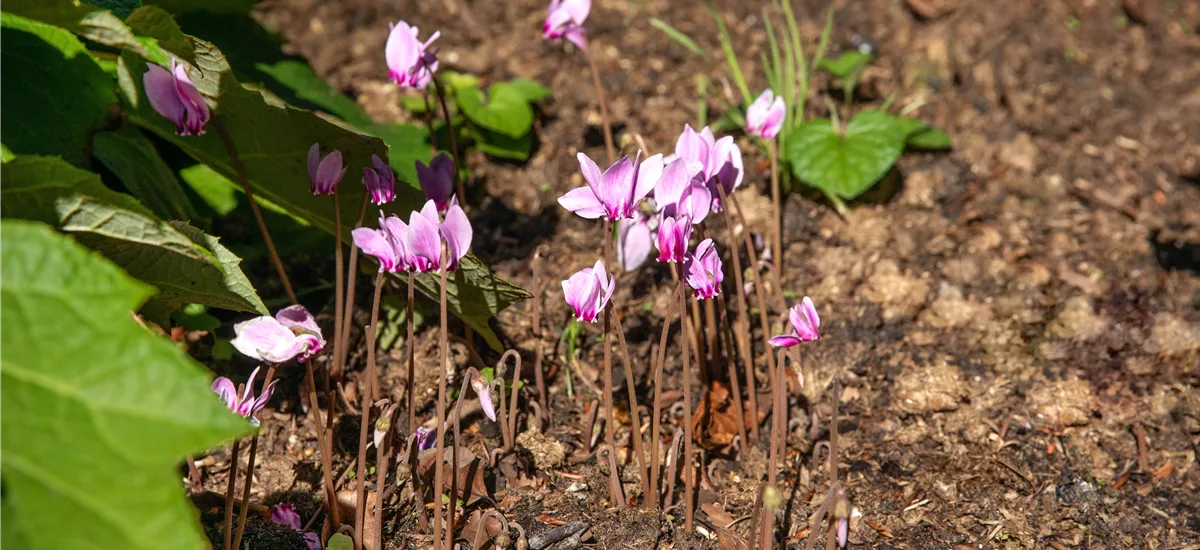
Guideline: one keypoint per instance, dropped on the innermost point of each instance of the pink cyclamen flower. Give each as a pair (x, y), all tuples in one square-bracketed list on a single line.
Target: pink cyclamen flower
[(246, 405), (673, 236), (173, 95), (410, 63), (720, 160), (764, 117), (426, 438), (425, 234), (565, 19), (437, 180), (324, 172), (634, 236), (291, 333), (679, 191), (285, 514), (805, 325), (704, 271), (588, 291), (613, 195), (484, 391), (380, 181), (386, 244)]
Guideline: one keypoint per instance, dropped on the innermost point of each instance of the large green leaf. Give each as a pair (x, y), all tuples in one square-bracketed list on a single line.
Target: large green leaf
[(133, 159), (183, 265), (505, 109), (272, 141), (121, 8), (846, 164), (55, 95), (152, 23), (96, 411), (149, 31)]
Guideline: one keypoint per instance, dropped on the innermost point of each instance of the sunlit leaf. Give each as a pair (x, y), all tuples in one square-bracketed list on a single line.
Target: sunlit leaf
[(846, 164)]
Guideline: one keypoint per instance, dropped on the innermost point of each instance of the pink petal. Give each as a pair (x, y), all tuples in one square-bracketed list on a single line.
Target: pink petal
[(424, 242), (577, 10), (163, 95), (671, 184), (649, 173), (633, 236), (582, 201), (691, 147), (437, 180), (195, 107), (578, 37), (784, 341), (617, 188), (580, 292), (314, 160), (480, 385), (376, 243), (285, 514), (591, 174), (810, 311), (258, 337), (226, 391), (298, 316), (456, 229), (402, 52)]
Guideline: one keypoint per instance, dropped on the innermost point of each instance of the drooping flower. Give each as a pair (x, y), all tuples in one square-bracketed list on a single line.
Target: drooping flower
[(285, 514), (380, 181), (324, 172), (588, 291), (437, 180), (704, 271), (173, 95), (764, 117), (613, 195), (410, 62), (805, 325), (386, 244), (565, 19), (246, 405), (679, 191), (634, 236), (425, 233), (291, 333), (673, 236), (426, 438), (484, 391), (720, 160)]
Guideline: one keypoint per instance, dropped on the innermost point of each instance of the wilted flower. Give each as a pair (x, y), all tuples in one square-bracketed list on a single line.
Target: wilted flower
[(247, 405), (380, 181), (285, 514), (588, 291), (680, 193), (291, 333), (565, 19), (673, 236), (426, 438), (173, 95), (615, 194), (765, 116), (484, 391), (324, 173), (720, 160), (703, 270), (437, 181), (633, 241), (410, 63), (805, 325)]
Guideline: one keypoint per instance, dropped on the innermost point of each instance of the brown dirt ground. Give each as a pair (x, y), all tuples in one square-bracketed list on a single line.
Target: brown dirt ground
[(1005, 317)]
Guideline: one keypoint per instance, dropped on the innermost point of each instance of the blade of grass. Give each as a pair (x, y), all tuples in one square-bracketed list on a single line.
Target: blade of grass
[(678, 36), (776, 68), (735, 68), (802, 72), (769, 71), (789, 86), (824, 42)]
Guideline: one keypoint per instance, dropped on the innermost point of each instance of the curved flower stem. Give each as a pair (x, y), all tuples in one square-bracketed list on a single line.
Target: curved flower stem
[(241, 524), (458, 184), (689, 471), (439, 468), (610, 427), (338, 295), (734, 386), (258, 218), (758, 287), (360, 508), (608, 138), (351, 277), (743, 323), (410, 344), (229, 490), (635, 416), (657, 405), (778, 441), (776, 218)]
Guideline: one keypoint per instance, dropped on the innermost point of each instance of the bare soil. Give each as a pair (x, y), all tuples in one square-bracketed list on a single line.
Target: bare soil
[(1016, 322)]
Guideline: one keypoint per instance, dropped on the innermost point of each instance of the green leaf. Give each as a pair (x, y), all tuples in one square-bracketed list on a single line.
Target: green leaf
[(180, 7), (55, 95), (500, 145), (96, 412), (678, 36), (504, 110), (195, 317), (218, 192), (6, 154), (340, 542), (929, 139), (133, 159), (845, 165), (154, 23), (186, 265), (846, 65), (272, 141), (529, 89)]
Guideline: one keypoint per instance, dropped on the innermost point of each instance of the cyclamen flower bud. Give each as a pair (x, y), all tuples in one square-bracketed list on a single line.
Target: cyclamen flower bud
[(673, 236), (173, 95), (247, 405), (565, 19), (588, 291), (437, 180), (324, 173), (805, 324), (704, 271), (764, 117), (410, 63), (380, 181)]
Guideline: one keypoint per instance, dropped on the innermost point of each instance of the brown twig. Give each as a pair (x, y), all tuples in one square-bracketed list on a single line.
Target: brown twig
[(734, 386), (383, 458), (538, 376), (689, 470), (339, 289), (351, 277), (676, 296), (360, 510), (743, 323), (634, 414), (610, 428)]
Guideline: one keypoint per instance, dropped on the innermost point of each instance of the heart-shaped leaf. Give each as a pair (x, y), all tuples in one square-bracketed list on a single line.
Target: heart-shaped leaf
[(845, 165), (505, 109), (96, 412)]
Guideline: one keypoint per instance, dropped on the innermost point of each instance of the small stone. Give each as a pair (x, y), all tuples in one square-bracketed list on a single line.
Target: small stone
[(1076, 320), (1063, 403)]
